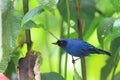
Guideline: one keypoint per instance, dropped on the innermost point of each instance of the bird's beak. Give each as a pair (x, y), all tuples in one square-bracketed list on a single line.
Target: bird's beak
[(54, 43)]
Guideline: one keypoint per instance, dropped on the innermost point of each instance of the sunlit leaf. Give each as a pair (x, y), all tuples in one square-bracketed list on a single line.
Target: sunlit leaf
[(105, 29), (116, 4), (111, 62), (11, 27), (87, 13), (92, 27), (6, 4), (106, 7), (48, 4), (73, 35), (117, 76), (87, 9), (110, 30), (29, 24), (116, 28), (28, 16), (51, 76), (115, 44)]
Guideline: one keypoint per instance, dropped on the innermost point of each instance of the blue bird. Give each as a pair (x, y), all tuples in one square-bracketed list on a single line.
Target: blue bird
[(79, 48)]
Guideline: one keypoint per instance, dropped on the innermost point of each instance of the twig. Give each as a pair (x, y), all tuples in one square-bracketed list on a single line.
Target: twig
[(83, 66), (61, 52), (28, 36), (117, 57), (68, 33)]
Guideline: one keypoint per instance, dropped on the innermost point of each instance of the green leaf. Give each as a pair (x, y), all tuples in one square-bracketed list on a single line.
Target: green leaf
[(10, 29), (48, 4), (51, 76), (92, 27), (29, 15), (116, 4), (111, 62), (29, 25), (87, 10), (116, 28), (87, 13), (115, 32), (105, 7), (108, 30), (104, 29), (76, 75), (117, 76), (10, 69), (73, 35), (115, 44)]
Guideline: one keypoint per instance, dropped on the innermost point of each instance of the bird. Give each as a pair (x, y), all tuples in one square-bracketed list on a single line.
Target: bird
[(79, 48)]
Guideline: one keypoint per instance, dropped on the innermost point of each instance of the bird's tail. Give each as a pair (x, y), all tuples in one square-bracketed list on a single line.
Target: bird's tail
[(103, 52)]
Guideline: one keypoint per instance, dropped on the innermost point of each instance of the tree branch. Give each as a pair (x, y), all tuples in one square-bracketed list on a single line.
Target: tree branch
[(83, 65)]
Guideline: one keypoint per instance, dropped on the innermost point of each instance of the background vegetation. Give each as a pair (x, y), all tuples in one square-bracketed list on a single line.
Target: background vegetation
[(40, 20)]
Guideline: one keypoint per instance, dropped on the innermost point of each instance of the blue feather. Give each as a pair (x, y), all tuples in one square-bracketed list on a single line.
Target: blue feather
[(79, 48)]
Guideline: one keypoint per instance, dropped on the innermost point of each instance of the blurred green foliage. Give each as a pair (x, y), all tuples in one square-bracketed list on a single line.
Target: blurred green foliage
[(101, 27)]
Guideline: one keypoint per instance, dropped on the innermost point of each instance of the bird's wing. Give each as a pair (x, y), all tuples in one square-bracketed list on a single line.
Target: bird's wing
[(87, 48)]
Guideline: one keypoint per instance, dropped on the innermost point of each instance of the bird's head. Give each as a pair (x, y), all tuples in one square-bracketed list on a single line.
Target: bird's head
[(61, 43)]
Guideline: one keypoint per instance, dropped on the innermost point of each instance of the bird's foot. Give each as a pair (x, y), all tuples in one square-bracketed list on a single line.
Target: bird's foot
[(73, 61)]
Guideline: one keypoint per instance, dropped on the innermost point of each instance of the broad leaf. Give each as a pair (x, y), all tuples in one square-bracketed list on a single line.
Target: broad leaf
[(29, 25), (108, 30), (87, 9), (104, 29), (10, 29), (113, 60), (48, 4), (117, 76), (28, 16), (51, 76), (92, 27), (116, 28), (116, 4), (10, 69)]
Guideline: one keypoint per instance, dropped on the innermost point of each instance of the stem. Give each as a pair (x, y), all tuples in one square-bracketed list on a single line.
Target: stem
[(117, 57), (60, 58), (115, 67), (83, 65), (66, 60), (68, 33), (1, 49), (27, 61), (61, 51), (27, 32), (28, 39)]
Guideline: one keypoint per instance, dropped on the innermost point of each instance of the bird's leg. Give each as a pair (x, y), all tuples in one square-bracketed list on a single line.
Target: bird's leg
[(73, 61)]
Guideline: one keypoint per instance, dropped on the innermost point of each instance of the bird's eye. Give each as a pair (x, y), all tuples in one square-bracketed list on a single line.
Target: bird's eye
[(61, 43)]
